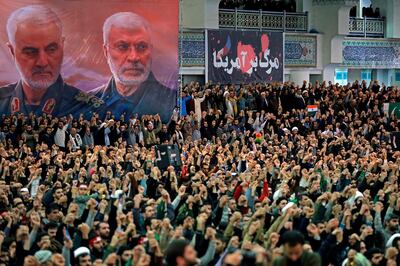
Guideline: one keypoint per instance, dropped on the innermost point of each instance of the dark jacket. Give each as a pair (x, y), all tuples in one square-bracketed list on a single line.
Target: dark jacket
[(307, 259)]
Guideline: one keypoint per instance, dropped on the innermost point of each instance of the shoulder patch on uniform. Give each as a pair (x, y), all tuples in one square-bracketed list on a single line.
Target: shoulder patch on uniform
[(49, 106), (15, 105), (89, 99)]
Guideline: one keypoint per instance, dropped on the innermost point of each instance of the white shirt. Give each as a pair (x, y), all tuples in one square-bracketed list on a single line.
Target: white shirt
[(76, 141), (106, 138), (59, 137), (179, 136)]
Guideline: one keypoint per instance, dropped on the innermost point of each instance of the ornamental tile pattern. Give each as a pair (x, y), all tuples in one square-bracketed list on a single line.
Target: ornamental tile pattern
[(371, 53), (300, 51), (191, 49)]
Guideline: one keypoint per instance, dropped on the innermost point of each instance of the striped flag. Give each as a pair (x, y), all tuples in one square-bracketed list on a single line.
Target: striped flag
[(312, 109), (225, 50)]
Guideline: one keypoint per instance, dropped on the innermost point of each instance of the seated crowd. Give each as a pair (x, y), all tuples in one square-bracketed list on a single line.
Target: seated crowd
[(262, 181)]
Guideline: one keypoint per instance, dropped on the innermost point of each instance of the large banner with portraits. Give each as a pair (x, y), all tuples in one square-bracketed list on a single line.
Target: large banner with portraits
[(83, 56), (244, 56)]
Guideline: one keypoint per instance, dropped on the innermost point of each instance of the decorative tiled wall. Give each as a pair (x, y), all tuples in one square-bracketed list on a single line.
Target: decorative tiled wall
[(371, 53), (191, 48), (300, 51)]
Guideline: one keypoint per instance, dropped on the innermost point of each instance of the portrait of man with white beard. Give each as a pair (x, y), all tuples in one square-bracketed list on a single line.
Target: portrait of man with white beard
[(36, 45), (132, 89)]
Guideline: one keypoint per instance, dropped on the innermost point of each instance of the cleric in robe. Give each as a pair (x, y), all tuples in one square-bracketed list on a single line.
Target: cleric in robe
[(36, 44), (133, 89)]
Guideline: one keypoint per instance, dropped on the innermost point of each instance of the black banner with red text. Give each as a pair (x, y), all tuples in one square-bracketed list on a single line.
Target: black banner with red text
[(244, 56)]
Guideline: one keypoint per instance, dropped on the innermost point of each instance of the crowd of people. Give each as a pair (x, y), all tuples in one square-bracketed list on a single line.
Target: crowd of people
[(369, 12), (265, 5), (262, 181)]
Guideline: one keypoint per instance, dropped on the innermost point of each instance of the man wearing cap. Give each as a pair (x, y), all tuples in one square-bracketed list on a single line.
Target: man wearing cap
[(36, 45), (82, 256), (24, 192), (43, 257), (133, 88)]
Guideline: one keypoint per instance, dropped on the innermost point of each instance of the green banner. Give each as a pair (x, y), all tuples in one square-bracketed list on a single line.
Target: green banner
[(392, 108)]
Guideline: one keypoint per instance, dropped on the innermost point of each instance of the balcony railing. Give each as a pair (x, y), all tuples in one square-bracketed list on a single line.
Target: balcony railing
[(367, 27), (262, 20)]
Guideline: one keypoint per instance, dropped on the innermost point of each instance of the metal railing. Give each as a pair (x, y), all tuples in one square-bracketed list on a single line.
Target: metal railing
[(262, 20), (367, 27)]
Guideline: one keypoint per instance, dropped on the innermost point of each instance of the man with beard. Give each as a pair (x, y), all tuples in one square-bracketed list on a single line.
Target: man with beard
[(151, 130), (180, 253), (96, 247), (164, 135), (391, 220), (133, 88), (103, 231), (82, 257), (293, 253), (75, 139), (60, 133), (142, 220), (36, 45), (47, 137), (28, 137)]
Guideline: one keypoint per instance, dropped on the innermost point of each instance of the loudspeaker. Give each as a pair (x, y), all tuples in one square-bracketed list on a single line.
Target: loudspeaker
[(168, 155)]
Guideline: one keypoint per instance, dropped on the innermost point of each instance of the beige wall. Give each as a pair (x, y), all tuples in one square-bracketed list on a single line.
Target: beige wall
[(199, 14)]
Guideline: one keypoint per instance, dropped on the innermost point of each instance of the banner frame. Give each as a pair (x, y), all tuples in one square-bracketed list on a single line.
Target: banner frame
[(244, 30)]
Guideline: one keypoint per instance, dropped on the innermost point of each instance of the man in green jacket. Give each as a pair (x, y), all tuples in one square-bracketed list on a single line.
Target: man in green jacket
[(151, 130)]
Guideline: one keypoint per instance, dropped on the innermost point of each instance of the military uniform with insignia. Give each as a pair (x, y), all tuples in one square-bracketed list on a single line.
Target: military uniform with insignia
[(60, 99), (151, 98)]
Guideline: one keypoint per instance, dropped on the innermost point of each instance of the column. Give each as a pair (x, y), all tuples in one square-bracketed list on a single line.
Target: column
[(331, 17), (211, 15), (382, 76), (395, 8), (299, 76), (391, 77), (328, 73), (353, 75)]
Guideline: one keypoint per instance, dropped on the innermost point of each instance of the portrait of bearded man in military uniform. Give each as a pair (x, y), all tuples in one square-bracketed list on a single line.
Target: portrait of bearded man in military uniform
[(133, 88), (36, 44)]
